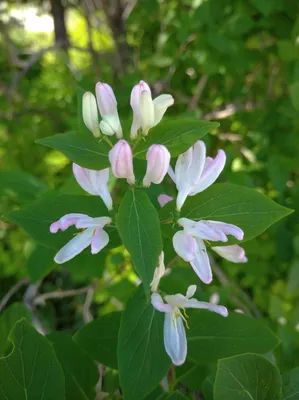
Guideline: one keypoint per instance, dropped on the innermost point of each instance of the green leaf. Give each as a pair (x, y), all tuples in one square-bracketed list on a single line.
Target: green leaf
[(191, 375), (294, 94), (8, 319), (40, 263), (142, 359), (208, 387), (247, 377), (20, 186), (84, 150), (139, 228), (81, 373), (176, 396), (212, 336), (99, 339), (290, 388), (247, 208), (293, 279), (37, 217), (177, 135), (31, 370)]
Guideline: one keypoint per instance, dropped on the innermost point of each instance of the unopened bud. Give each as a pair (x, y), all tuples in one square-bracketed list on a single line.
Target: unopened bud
[(110, 125), (147, 114), (121, 159), (90, 113), (135, 104), (158, 158)]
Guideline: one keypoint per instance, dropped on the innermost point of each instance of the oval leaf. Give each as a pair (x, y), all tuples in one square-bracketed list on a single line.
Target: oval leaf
[(99, 339), (247, 208), (177, 135), (31, 370), (247, 377), (81, 373), (290, 389), (139, 228), (212, 337), (84, 150), (142, 359)]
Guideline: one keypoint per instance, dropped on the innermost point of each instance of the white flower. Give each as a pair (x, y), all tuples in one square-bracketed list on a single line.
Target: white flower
[(147, 113), (189, 243), (234, 253), (94, 182), (175, 341), (93, 235), (158, 274), (90, 113), (194, 172)]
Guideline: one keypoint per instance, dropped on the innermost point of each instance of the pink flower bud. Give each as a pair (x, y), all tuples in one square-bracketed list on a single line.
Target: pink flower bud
[(121, 159), (135, 104), (106, 100), (158, 158)]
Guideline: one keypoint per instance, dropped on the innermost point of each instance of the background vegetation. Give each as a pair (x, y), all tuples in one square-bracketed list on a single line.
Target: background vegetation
[(234, 61)]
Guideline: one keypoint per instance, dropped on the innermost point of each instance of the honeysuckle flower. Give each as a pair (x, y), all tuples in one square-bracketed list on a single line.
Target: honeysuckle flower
[(234, 253), (158, 158), (121, 160), (92, 235), (175, 341), (158, 273), (164, 199), (147, 113), (194, 172), (189, 243), (90, 113), (108, 109), (94, 182)]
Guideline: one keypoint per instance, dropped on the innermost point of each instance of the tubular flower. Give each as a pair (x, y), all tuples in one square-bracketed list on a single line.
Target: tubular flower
[(147, 113), (158, 274), (194, 172), (94, 182), (175, 341), (189, 243), (235, 253), (108, 109), (121, 160), (92, 235), (158, 158), (90, 113)]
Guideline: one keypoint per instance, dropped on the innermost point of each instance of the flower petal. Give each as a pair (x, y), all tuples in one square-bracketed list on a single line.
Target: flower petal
[(210, 173), (99, 241), (193, 303), (235, 253), (184, 245), (201, 262), (74, 246), (171, 174), (66, 221), (201, 230), (158, 303), (175, 341), (227, 229), (89, 222), (164, 199), (135, 104), (161, 103), (158, 273)]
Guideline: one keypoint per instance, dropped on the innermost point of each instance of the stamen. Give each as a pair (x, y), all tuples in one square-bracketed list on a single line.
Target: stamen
[(205, 240), (186, 315), (79, 233)]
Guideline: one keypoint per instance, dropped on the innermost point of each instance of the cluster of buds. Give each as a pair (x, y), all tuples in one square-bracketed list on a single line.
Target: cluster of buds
[(193, 173), (147, 113)]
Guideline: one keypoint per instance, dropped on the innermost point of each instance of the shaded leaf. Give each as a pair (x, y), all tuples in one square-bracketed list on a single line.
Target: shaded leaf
[(290, 388)]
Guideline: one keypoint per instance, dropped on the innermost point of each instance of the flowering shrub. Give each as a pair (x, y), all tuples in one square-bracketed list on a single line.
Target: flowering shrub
[(194, 217)]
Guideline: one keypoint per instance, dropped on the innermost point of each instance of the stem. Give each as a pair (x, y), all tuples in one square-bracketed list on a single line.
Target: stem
[(107, 141), (11, 292)]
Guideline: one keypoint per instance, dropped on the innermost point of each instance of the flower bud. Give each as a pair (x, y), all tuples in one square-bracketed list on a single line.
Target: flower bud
[(121, 159), (234, 253), (158, 158), (110, 125), (108, 107), (147, 113), (161, 103), (90, 113), (135, 104)]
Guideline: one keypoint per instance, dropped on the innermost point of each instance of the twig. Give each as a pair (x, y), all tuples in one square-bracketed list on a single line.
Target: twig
[(28, 300), (201, 84), (12, 291), (87, 315), (42, 298), (232, 109), (171, 262)]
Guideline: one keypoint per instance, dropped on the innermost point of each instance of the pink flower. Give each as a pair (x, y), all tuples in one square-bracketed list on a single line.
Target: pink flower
[(158, 158), (121, 159)]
